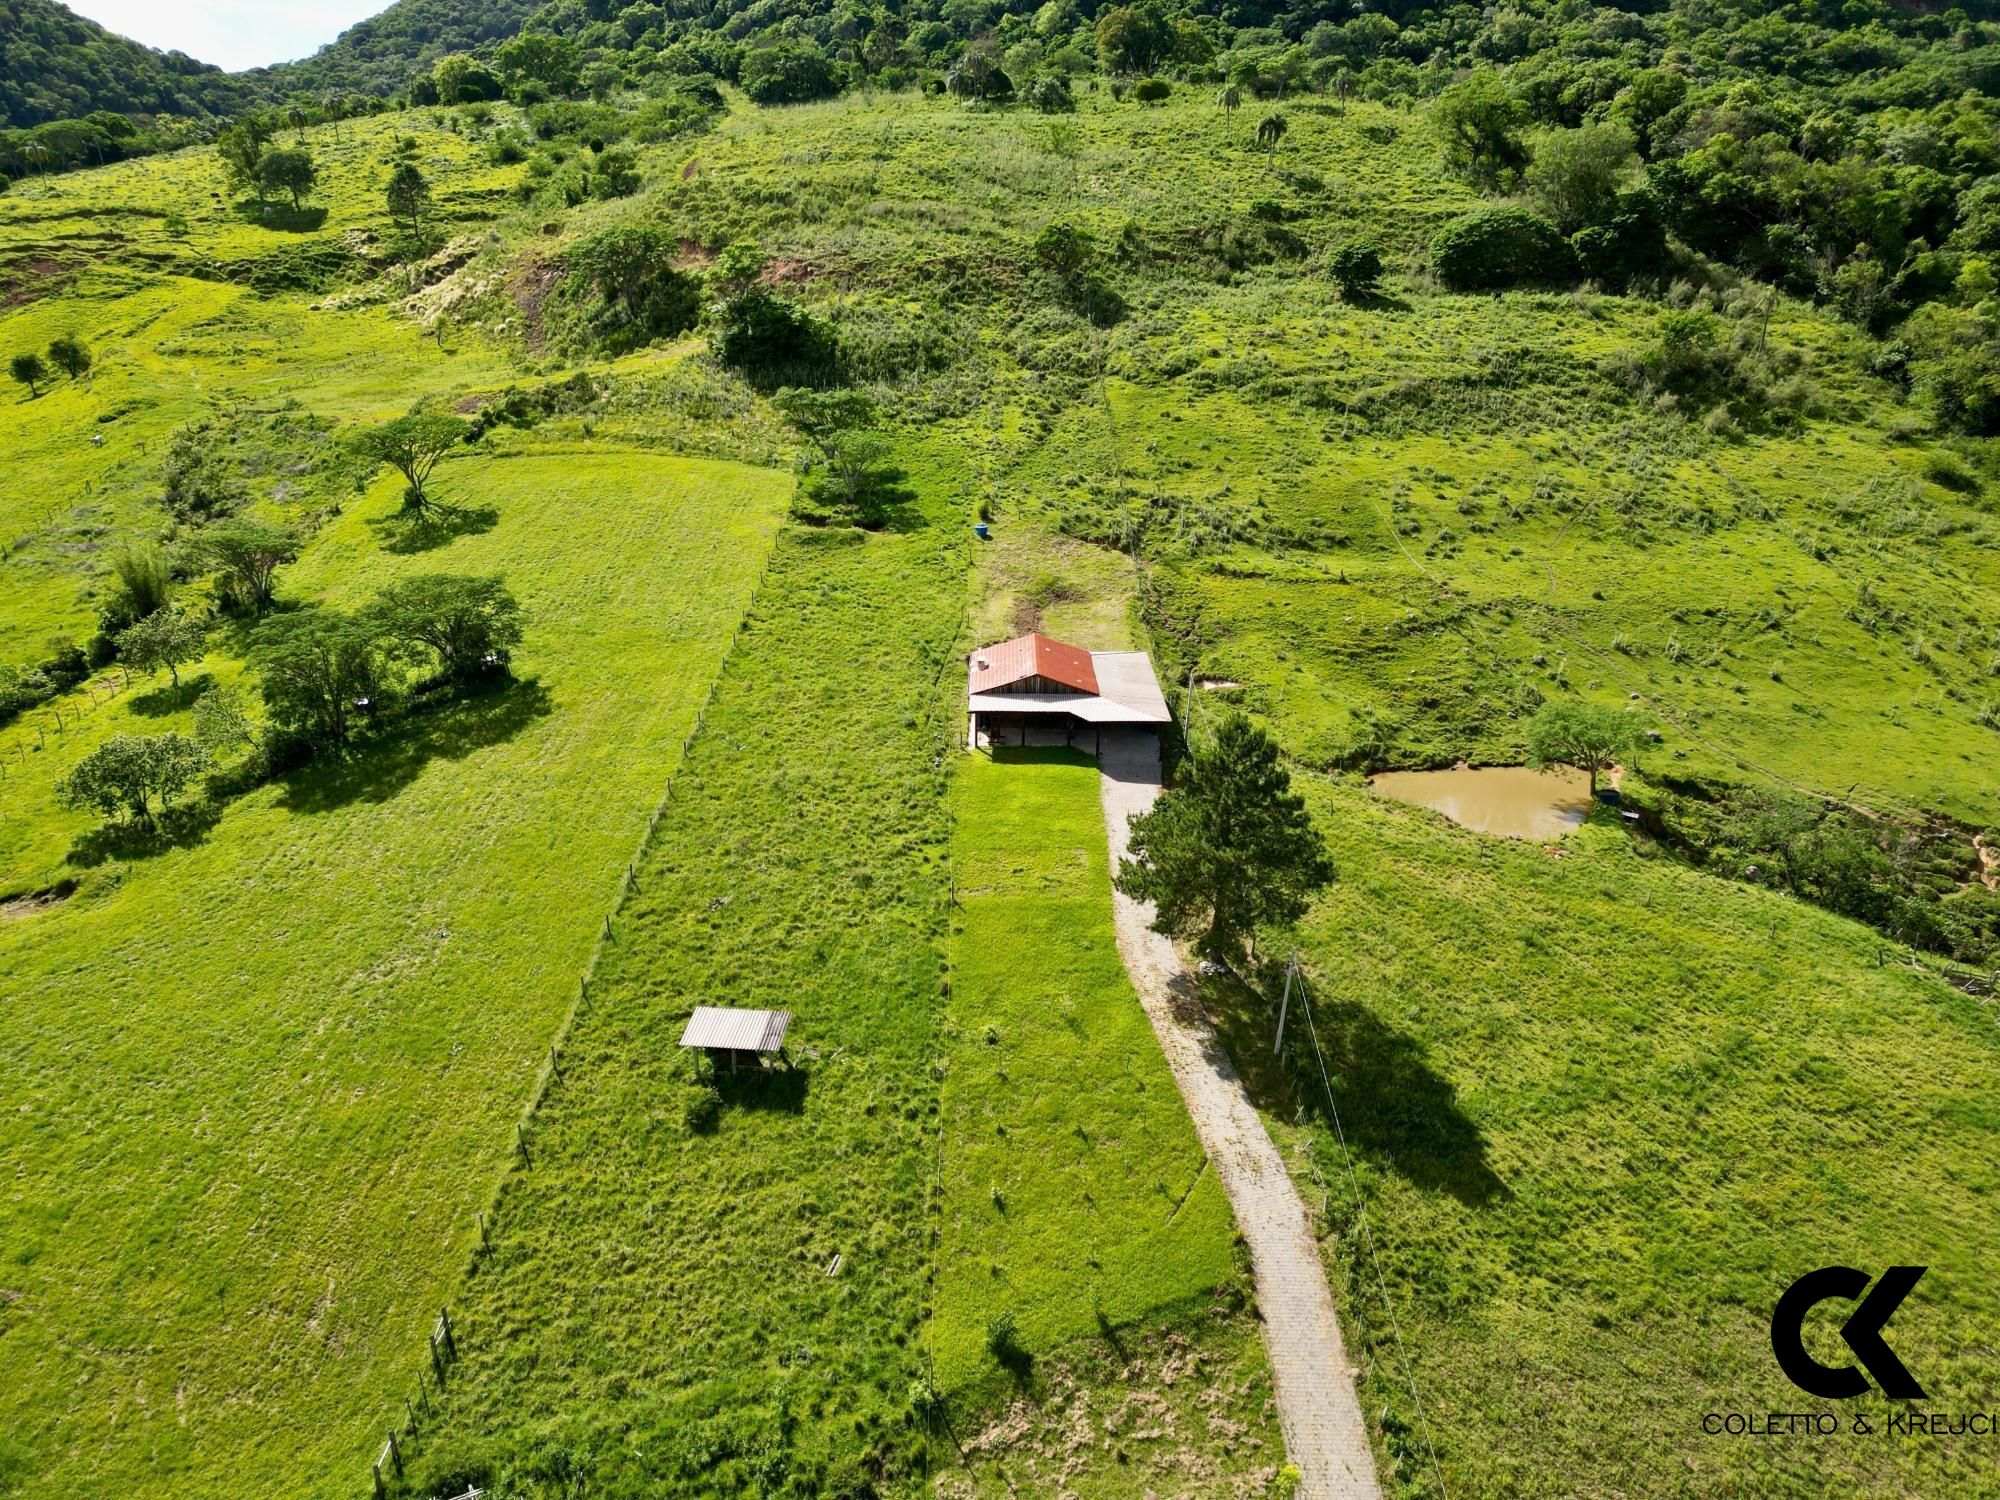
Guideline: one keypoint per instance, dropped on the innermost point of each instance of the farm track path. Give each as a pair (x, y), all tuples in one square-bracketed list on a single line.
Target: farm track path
[(1318, 1407)]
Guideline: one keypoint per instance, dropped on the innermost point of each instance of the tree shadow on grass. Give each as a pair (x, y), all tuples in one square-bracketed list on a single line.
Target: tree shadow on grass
[(1386, 302), (377, 769), (173, 828), (281, 216), (405, 534), (1393, 1105), (168, 699)]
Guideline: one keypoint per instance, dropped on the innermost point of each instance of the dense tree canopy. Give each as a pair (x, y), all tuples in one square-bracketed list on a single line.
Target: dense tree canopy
[(56, 65), (458, 624)]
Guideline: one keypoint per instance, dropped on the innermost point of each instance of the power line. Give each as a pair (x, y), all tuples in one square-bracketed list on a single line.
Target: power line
[(1361, 1214)]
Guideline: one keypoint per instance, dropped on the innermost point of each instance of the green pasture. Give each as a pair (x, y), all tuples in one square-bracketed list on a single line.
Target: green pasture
[(1077, 1200), (660, 1305), (1602, 1110), (260, 1083)]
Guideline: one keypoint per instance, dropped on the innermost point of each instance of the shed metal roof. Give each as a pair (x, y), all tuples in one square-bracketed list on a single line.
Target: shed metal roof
[(742, 1030), (993, 667)]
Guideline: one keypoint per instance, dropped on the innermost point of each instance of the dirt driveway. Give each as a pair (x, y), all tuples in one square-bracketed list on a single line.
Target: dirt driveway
[(1318, 1409)]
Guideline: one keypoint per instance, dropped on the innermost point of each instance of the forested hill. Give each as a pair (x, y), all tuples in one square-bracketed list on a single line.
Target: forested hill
[(378, 55), (55, 65)]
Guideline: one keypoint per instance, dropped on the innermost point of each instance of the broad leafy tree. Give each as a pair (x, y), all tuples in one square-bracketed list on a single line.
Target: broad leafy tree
[(840, 427), (320, 671), (459, 621), (164, 638), (622, 290), (220, 722), (290, 171), (30, 371), (413, 445), (241, 147), (1229, 849), (1576, 174), (1480, 121), (67, 353), (1134, 38), (1588, 736), (550, 60), (129, 771), (247, 553)]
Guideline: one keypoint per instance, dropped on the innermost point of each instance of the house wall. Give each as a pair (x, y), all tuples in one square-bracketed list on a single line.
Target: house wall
[(1036, 684)]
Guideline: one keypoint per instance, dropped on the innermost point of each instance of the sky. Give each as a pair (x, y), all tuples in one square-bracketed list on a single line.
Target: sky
[(231, 33)]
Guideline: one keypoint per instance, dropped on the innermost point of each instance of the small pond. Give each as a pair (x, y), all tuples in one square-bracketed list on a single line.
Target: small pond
[(1516, 801)]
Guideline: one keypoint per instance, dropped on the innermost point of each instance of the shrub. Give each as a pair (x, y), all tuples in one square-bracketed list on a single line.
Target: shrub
[(1003, 1337), (1949, 471), (621, 290), (701, 1110), (1630, 246), (1356, 269), (1152, 90), (1050, 94), (1501, 247), (772, 340), (201, 478)]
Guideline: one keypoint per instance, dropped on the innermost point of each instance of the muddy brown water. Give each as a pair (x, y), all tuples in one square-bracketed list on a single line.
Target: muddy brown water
[(1515, 801)]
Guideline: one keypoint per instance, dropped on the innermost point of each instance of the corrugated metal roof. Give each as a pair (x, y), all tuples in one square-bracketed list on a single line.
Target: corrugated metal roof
[(1126, 678), (743, 1030), (993, 667)]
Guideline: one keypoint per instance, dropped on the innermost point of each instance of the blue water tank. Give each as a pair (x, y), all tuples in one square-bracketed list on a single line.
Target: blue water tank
[(985, 532)]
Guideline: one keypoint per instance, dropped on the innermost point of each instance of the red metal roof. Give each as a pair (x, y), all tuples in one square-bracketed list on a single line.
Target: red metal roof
[(993, 667)]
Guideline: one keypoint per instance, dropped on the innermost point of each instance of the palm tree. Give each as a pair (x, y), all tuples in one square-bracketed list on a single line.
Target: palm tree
[(1270, 130), (296, 117), (1229, 98), (37, 153)]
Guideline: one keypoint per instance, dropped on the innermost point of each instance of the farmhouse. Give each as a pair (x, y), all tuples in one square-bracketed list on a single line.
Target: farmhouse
[(1032, 689)]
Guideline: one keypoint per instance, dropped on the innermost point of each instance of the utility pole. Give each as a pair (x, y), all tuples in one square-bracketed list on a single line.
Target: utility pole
[(1284, 1005)]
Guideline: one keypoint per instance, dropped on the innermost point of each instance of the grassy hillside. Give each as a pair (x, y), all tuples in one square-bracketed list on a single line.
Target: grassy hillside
[(1590, 1092), (1601, 1112)]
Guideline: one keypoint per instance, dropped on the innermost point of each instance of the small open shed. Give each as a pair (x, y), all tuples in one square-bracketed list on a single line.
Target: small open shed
[(736, 1036)]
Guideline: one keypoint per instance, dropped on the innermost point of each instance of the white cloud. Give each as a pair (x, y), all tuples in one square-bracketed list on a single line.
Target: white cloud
[(231, 33)]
